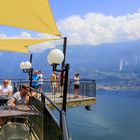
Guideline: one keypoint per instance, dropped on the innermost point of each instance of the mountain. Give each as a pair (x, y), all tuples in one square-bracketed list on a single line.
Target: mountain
[(107, 61), (106, 57)]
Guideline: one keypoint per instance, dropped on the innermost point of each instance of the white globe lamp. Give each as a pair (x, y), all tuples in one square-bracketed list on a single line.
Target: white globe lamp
[(55, 57)]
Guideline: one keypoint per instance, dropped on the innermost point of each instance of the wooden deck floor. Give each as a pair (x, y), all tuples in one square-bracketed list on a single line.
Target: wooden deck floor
[(71, 101)]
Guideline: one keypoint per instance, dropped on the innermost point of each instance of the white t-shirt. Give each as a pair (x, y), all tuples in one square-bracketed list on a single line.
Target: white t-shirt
[(5, 90), (76, 80), (18, 99), (40, 78)]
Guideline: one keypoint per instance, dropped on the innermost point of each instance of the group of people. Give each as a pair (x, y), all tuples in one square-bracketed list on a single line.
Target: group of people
[(21, 96), (18, 98), (37, 80), (7, 89), (57, 83)]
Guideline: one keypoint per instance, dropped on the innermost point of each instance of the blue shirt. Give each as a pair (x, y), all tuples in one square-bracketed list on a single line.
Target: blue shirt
[(35, 79)]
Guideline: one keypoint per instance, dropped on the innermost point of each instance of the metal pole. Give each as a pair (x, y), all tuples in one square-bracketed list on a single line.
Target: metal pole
[(31, 56), (65, 87), (63, 63), (31, 74), (66, 76), (64, 51)]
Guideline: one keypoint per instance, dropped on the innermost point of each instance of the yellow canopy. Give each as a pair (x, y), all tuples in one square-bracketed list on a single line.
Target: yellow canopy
[(19, 45), (32, 15)]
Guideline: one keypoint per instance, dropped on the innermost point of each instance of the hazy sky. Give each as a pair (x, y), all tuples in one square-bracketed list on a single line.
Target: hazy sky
[(91, 22)]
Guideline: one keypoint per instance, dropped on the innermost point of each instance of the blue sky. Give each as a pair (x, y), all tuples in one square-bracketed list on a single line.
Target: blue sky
[(91, 22), (65, 8)]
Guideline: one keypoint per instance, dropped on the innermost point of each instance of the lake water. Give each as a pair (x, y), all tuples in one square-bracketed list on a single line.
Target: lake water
[(115, 116)]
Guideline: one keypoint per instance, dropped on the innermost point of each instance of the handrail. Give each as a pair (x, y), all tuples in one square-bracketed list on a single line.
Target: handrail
[(64, 125), (53, 103), (63, 122)]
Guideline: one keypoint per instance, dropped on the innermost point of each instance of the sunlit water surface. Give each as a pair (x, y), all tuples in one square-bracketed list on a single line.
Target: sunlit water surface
[(116, 116)]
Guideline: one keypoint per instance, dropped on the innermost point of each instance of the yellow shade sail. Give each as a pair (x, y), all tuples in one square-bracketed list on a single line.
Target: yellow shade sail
[(19, 45), (32, 15)]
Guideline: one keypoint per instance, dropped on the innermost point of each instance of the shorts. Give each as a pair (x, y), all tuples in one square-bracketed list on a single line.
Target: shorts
[(53, 84), (76, 86), (40, 85), (61, 84)]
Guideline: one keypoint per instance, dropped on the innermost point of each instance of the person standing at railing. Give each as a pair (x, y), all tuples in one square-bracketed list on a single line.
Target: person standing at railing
[(40, 81), (53, 82), (35, 79), (61, 83), (6, 88), (57, 82), (76, 84)]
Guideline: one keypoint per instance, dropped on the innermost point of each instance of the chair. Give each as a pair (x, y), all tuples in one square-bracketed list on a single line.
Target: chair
[(13, 130)]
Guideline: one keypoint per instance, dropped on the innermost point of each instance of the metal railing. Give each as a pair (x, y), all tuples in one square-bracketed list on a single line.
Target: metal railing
[(51, 128), (52, 124), (46, 125), (87, 88)]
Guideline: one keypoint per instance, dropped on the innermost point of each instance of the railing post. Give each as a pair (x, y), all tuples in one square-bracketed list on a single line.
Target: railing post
[(44, 115), (63, 126), (65, 87), (94, 88), (31, 75)]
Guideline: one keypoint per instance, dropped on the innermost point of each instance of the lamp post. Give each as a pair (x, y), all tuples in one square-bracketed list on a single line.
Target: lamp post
[(56, 57), (27, 68)]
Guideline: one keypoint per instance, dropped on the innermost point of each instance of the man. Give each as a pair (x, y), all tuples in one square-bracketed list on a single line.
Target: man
[(21, 97), (5, 88), (35, 79)]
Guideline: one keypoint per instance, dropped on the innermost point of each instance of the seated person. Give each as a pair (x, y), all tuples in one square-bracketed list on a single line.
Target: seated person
[(5, 88), (21, 97)]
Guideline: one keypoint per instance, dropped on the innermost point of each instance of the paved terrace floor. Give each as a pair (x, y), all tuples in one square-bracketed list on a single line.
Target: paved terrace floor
[(71, 101)]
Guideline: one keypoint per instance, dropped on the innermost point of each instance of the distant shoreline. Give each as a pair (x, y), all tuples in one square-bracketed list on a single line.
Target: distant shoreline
[(116, 88)]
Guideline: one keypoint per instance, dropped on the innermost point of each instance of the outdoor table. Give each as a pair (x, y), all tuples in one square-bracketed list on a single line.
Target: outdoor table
[(19, 110)]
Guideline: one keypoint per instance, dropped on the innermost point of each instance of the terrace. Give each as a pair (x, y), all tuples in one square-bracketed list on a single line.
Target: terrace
[(51, 123)]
